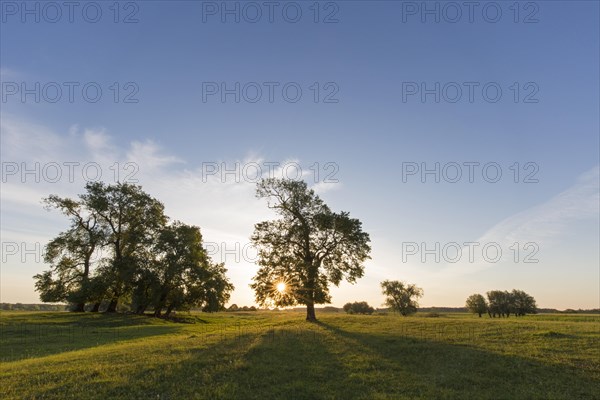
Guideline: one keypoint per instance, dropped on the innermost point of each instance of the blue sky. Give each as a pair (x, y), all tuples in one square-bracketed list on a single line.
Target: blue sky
[(367, 61)]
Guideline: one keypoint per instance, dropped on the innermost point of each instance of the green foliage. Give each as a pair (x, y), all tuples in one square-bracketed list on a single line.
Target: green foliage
[(145, 263), (51, 291), (476, 304), (70, 254), (523, 303), (358, 308), (499, 303), (307, 248), (401, 297), (179, 274), (131, 220), (504, 303)]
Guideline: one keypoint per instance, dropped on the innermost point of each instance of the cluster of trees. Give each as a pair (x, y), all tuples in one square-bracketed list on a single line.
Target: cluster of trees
[(146, 261), (357, 307), (502, 303)]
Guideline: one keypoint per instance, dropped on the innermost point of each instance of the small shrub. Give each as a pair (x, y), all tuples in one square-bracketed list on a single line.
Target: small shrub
[(358, 308)]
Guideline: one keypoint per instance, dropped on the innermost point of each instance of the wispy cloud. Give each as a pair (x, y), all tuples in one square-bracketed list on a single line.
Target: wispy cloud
[(149, 156), (542, 225)]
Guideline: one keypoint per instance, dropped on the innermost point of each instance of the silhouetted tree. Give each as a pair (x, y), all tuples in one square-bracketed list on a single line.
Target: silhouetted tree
[(523, 303), (145, 260), (476, 304), (401, 297), (500, 303), (178, 274), (503, 303), (307, 248), (70, 255)]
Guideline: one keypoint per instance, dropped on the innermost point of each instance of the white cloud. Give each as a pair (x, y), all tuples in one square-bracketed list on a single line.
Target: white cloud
[(96, 141), (147, 155)]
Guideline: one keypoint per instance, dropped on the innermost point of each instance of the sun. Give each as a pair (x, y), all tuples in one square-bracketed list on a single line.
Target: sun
[(281, 286)]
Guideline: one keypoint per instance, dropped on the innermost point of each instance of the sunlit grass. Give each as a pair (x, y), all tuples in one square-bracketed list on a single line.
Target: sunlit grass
[(277, 355)]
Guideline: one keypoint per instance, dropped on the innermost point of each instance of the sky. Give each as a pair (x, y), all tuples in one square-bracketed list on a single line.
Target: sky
[(465, 137)]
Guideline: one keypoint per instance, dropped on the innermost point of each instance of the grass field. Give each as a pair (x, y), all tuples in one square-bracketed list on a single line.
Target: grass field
[(277, 355)]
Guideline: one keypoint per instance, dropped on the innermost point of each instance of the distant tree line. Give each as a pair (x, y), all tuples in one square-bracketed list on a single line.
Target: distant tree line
[(502, 303), (234, 307), (32, 307), (146, 262)]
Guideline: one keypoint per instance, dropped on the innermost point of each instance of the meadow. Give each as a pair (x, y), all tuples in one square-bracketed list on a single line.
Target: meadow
[(278, 355)]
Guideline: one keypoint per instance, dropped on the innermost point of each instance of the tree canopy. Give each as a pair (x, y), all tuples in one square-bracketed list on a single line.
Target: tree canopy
[(476, 304), (401, 297)]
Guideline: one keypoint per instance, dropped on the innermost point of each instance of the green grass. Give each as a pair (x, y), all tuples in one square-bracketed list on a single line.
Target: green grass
[(277, 355)]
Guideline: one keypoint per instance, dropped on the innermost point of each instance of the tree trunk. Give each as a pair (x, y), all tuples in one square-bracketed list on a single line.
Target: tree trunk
[(310, 312), (96, 307), (79, 307), (112, 306), (160, 304), (169, 309), (310, 293), (479, 315)]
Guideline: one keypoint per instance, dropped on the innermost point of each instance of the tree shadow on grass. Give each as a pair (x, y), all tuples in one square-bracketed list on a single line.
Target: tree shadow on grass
[(420, 368), (286, 363), (294, 364), (313, 361), (42, 338)]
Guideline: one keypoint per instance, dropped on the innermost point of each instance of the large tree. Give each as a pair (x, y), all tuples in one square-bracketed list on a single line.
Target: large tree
[(70, 255), (131, 219), (306, 248), (476, 304), (401, 297)]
